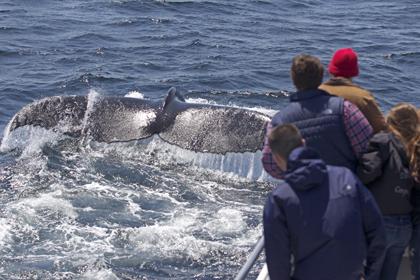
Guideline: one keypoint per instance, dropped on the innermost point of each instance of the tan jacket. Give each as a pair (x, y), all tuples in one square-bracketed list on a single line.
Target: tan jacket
[(360, 97)]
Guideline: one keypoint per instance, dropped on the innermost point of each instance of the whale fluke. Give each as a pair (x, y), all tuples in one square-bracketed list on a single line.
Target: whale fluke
[(52, 111), (211, 128), (122, 119), (197, 127), (216, 130)]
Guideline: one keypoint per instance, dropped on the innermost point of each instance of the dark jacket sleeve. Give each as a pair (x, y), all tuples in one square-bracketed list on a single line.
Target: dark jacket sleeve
[(371, 162), (277, 240), (374, 232)]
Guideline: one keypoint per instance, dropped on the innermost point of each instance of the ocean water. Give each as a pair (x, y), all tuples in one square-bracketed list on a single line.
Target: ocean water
[(146, 209)]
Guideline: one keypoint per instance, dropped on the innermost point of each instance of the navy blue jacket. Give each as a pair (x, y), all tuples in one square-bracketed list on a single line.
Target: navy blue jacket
[(319, 117), (326, 219)]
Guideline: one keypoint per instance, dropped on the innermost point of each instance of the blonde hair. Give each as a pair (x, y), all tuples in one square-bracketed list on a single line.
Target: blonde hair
[(415, 159), (403, 120)]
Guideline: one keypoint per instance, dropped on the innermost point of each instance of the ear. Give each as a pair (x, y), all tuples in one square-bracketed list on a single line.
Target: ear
[(303, 142)]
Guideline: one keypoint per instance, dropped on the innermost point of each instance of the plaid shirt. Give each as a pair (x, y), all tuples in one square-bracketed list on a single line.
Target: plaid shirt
[(357, 128)]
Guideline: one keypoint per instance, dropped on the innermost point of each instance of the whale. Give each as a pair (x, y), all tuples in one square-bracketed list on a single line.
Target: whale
[(211, 128), (197, 127), (111, 119)]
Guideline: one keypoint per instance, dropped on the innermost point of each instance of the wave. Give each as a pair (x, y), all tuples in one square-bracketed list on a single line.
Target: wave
[(92, 79), (9, 53), (102, 201), (402, 54), (21, 51), (93, 37), (296, 4), (135, 21), (11, 30), (250, 94), (195, 43)]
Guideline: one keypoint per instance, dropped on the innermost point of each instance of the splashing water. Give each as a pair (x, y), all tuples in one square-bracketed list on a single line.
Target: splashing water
[(4, 147), (116, 211), (89, 210), (91, 100)]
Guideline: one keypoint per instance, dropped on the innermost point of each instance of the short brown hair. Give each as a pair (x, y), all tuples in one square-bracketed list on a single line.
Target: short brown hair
[(283, 139), (306, 71)]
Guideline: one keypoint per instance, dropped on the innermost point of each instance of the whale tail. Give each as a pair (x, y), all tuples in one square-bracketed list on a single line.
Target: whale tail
[(51, 112), (211, 128), (197, 127)]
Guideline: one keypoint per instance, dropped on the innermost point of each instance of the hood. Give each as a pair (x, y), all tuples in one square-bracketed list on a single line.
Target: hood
[(305, 169)]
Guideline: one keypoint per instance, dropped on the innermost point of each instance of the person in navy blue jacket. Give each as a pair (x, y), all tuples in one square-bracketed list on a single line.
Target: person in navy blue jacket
[(321, 222)]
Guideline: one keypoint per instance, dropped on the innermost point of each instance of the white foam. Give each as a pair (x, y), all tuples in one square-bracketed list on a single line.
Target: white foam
[(6, 133), (135, 94), (103, 274), (5, 232), (133, 208), (225, 222), (95, 186), (126, 196), (201, 101), (51, 200), (30, 139), (86, 240), (163, 196), (172, 239)]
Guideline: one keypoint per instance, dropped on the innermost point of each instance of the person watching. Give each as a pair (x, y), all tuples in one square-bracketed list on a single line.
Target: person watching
[(335, 127), (343, 68), (320, 222)]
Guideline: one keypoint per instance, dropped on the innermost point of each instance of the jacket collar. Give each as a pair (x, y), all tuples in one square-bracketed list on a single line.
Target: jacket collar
[(307, 94), (340, 81)]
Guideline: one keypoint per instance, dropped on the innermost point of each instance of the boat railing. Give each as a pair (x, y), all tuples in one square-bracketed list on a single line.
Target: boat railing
[(253, 257)]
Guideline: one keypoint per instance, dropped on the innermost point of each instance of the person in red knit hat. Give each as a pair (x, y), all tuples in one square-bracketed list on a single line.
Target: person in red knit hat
[(342, 68), (344, 64)]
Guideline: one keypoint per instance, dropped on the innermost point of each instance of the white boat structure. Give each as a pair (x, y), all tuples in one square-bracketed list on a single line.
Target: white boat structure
[(263, 273)]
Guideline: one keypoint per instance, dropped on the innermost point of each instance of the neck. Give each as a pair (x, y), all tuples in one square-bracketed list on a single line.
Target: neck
[(341, 78)]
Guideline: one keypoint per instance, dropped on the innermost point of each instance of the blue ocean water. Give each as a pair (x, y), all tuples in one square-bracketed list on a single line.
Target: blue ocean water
[(120, 212)]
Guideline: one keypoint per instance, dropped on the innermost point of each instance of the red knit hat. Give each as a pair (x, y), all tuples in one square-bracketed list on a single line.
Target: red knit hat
[(344, 63)]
